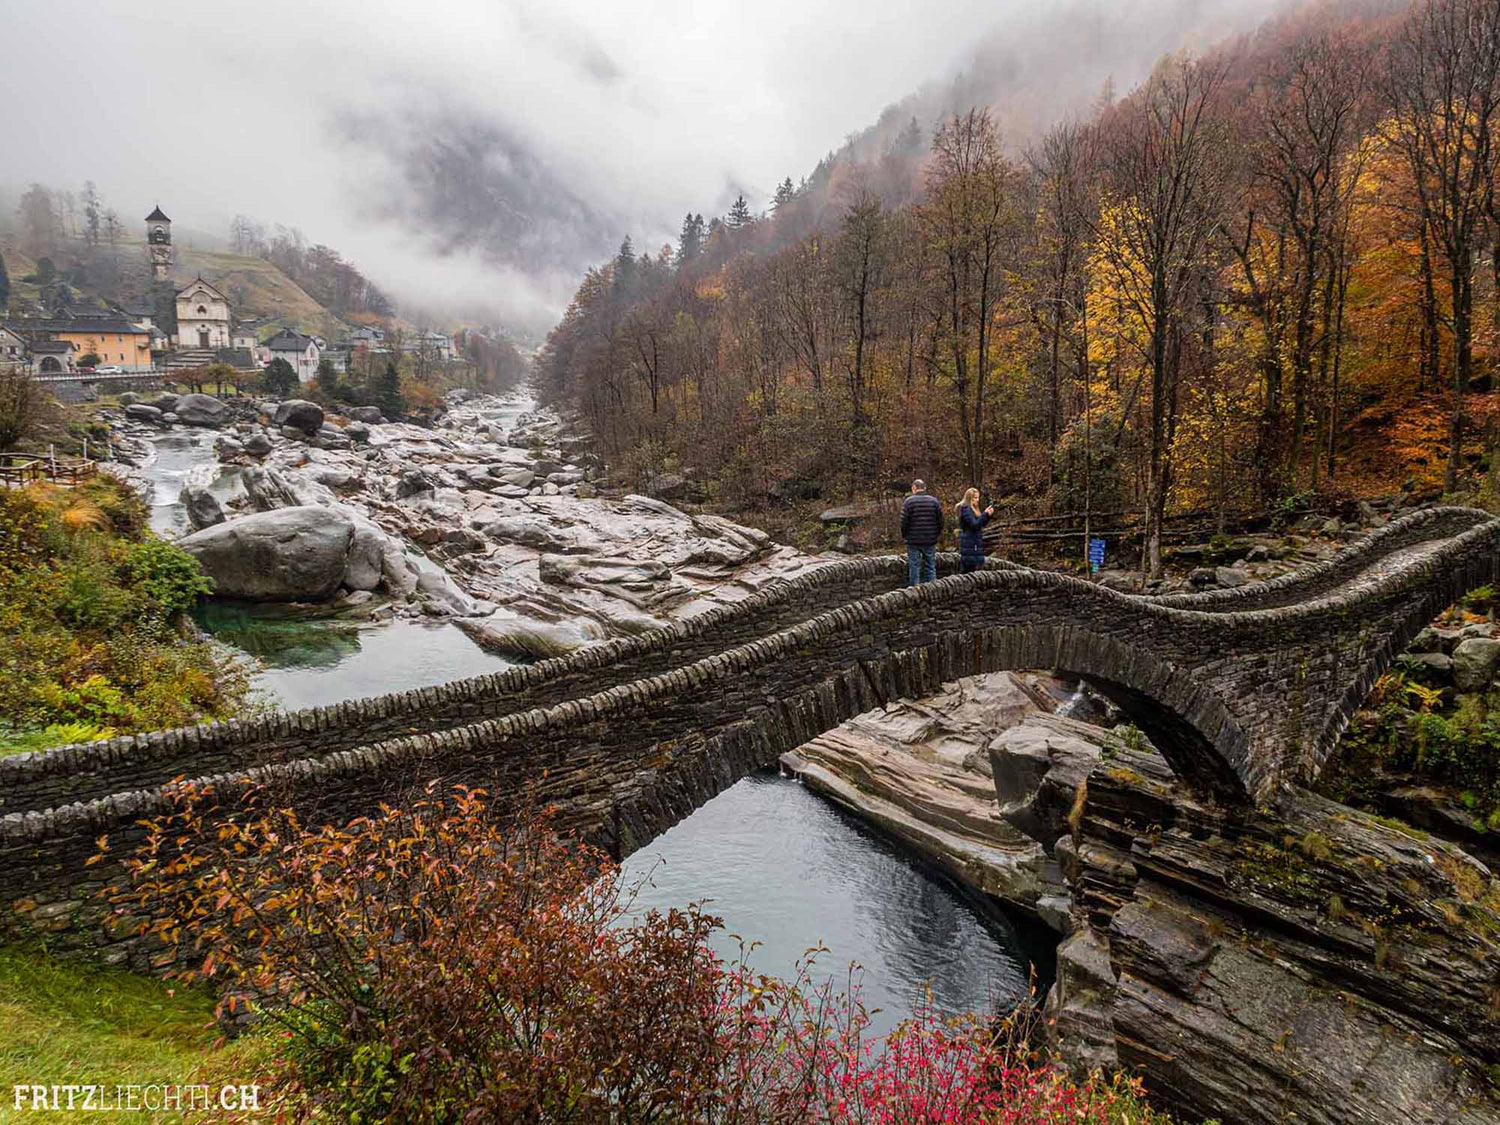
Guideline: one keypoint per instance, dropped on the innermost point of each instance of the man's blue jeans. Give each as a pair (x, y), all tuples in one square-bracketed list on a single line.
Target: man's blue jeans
[(921, 564)]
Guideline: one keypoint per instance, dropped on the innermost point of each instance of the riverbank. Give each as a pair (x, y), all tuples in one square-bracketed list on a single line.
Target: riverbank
[(94, 614)]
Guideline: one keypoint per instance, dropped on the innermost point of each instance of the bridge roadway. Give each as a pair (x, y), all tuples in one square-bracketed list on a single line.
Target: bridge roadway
[(1245, 691)]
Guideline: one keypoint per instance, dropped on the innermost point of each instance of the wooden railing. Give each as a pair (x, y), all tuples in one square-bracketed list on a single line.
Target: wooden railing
[(20, 469)]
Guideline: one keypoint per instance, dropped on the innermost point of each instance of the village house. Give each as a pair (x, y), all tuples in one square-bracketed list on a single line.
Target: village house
[(298, 350), (429, 344), (116, 339), (12, 349), (367, 335)]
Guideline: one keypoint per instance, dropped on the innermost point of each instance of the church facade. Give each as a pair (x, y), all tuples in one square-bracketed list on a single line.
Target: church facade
[(203, 317)]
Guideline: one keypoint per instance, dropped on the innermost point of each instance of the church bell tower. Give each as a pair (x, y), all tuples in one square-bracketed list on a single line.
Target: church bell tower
[(159, 243)]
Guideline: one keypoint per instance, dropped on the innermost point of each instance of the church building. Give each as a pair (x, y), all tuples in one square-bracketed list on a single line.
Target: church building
[(203, 317)]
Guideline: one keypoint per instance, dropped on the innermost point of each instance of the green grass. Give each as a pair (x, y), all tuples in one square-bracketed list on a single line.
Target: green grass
[(64, 1021)]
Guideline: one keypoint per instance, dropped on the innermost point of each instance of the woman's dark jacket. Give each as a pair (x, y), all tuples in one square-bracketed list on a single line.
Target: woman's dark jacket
[(971, 533)]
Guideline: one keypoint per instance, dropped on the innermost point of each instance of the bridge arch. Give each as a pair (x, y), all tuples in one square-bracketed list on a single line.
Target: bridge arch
[(1183, 718)]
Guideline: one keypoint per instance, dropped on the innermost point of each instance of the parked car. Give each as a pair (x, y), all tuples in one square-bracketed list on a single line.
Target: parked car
[(87, 370), (109, 369)]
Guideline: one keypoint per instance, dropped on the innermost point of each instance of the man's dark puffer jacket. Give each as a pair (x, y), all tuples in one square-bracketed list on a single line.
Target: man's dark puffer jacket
[(922, 520)]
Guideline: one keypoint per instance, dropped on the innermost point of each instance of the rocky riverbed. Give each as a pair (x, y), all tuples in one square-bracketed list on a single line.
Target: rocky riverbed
[(1304, 959), (496, 518)]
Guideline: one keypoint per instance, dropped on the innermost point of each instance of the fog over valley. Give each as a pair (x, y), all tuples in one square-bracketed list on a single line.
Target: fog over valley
[(474, 158)]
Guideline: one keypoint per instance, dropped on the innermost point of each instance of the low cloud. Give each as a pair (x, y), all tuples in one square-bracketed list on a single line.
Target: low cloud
[(474, 156)]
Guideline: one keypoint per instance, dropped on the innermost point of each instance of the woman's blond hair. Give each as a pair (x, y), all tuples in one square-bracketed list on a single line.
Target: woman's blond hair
[(971, 498)]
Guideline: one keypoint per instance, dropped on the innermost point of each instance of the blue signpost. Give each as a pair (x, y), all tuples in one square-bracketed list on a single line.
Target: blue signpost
[(1096, 554)]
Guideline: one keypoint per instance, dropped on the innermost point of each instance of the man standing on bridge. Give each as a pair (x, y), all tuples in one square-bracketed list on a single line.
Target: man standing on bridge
[(922, 521)]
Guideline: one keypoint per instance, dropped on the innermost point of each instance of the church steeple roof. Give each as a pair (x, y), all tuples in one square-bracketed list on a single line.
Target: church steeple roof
[(157, 217)]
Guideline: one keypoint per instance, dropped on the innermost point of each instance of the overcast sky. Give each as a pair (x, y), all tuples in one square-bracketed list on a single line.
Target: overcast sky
[(300, 112)]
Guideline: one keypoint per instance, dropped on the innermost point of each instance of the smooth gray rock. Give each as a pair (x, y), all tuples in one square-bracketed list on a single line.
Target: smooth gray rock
[(142, 413), (165, 403), (514, 476), (1037, 765), (369, 415), (1230, 577), (267, 489), (1436, 665), (362, 567), (227, 448), (290, 554), (203, 508), (1474, 662), (201, 410), (527, 530), (305, 416), (513, 634), (441, 597), (413, 482)]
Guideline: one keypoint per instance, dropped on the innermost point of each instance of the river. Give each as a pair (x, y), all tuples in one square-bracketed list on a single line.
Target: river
[(781, 866)]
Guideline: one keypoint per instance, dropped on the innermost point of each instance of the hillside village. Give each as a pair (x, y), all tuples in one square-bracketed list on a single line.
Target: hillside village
[(149, 316)]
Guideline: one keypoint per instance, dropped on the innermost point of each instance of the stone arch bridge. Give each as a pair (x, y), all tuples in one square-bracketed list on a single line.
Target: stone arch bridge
[(1244, 691)]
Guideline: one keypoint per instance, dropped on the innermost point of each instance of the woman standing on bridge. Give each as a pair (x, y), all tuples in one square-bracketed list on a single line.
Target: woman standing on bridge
[(971, 523)]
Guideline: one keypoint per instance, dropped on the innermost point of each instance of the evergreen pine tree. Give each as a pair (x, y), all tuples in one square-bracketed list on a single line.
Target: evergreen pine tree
[(625, 271), (785, 193), (4, 288), (690, 242), (739, 216), (279, 378), (388, 393)]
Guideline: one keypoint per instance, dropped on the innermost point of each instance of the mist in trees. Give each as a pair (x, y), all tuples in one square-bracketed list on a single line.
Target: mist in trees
[(1254, 276)]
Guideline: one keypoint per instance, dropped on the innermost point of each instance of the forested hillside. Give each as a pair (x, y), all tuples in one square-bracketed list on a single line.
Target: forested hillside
[(1268, 271)]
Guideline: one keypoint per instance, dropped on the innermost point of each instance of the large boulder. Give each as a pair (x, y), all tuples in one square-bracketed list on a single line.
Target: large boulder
[(140, 412), (369, 415), (299, 414), (291, 554), (203, 508), (166, 403), (1474, 662), (257, 444), (201, 410), (512, 475)]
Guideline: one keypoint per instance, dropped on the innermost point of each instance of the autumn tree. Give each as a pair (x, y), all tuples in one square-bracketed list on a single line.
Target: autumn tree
[(860, 268), (1062, 165), (1164, 167), (970, 219), (1444, 86)]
